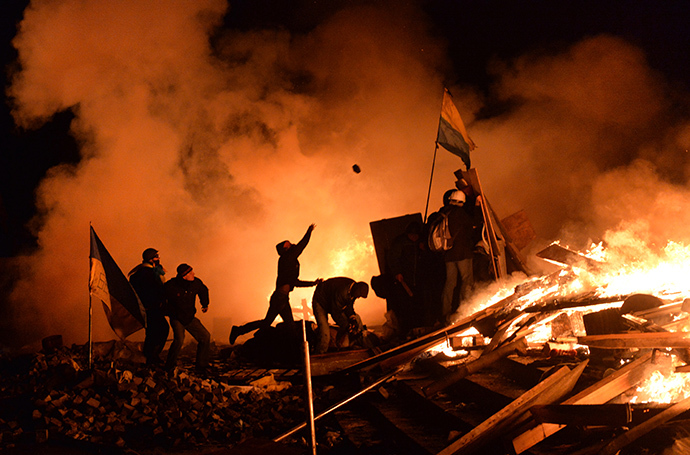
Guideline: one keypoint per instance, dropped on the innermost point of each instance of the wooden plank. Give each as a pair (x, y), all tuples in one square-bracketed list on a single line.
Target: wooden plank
[(664, 310), (549, 390), (474, 366), (495, 242), (601, 392), (519, 229), (659, 340), (640, 430), (562, 255), (514, 253), (400, 353), (612, 415), (562, 304)]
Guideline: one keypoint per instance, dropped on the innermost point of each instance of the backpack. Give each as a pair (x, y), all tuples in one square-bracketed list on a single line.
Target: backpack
[(439, 234)]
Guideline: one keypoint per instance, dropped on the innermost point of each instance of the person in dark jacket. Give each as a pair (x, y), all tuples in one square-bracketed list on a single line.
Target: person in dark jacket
[(181, 294), (465, 224), (287, 280), (147, 280), (336, 296)]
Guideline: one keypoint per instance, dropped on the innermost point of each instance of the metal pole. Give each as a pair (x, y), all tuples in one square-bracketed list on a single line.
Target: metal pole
[(307, 377), (90, 304), (431, 178), (90, 331), (340, 404)]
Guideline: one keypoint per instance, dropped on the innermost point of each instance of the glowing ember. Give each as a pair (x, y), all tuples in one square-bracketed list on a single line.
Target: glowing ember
[(663, 386)]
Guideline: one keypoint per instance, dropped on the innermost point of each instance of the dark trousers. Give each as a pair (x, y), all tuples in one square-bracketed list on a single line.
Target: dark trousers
[(279, 304), (200, 334), (157, 330)]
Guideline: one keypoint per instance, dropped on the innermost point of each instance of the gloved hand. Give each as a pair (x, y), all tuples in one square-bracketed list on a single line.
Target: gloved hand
[(353, 327)]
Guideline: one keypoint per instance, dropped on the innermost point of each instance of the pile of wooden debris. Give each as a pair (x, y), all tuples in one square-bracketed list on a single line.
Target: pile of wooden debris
[(554, 367)]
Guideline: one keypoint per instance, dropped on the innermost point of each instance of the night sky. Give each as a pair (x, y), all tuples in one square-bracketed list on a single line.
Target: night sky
[(487, 52), (475, 32)]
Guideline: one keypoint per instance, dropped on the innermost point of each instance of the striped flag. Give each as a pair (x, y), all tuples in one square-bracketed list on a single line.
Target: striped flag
[(122, 306), (452, 134)]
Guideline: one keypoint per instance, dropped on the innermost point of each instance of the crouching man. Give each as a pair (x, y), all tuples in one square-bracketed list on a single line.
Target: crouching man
[(181, 293), (336, 296)]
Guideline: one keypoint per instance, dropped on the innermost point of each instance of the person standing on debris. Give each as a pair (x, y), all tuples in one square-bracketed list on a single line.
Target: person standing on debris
[(287, 280), (465, 224), (147, 280), (406, 264), (181, 294), (336, 296)]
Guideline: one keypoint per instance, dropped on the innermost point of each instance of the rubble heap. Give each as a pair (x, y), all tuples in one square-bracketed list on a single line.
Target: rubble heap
[(120, 402)]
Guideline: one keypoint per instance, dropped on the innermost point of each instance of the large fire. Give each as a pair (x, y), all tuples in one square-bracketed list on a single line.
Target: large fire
[(603, 280)]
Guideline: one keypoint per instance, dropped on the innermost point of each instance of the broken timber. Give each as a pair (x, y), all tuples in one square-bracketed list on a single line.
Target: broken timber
[(406, 352), (648, 340), (562, 255), (474, 366), (601, 392), (639, 430), (549, 390)]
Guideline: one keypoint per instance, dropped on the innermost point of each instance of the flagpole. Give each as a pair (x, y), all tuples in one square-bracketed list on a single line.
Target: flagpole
[(90, 313), (431, 178)]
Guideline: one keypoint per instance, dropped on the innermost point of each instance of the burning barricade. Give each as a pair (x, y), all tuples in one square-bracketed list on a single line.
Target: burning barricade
[(621, 319)]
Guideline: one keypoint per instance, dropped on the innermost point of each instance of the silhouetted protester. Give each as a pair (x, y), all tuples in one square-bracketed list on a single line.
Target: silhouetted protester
[(147, 280), (465, 224), (287, 280), (336, 297), (407, 261), (181, 295)]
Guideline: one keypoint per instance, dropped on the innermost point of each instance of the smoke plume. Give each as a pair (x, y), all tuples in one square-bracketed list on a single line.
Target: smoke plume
[(213, 145)]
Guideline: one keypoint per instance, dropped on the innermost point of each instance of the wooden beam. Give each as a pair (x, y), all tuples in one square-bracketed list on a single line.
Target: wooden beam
[(601, 392), (637, 431), (549, 390), (659, 340), (562, 304), (611, 415), (474, 366), (429, 340), (562, 255)]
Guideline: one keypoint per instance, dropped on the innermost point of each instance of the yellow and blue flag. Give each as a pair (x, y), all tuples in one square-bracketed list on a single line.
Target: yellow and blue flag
[(122, 306), (452, 134)]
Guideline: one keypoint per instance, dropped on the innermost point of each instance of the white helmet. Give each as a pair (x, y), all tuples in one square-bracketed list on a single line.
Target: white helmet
[(457, 198)]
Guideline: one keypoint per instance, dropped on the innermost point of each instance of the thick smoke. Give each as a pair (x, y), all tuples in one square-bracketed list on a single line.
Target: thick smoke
[(590, 145), (213, 153)]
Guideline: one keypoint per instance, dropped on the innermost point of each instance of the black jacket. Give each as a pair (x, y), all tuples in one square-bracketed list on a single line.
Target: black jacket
[(180, 297), (288, 265), (149, 287), (333, 295), (465, 225)]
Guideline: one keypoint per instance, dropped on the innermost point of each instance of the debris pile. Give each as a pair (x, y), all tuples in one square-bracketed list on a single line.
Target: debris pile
[(605, 361), (120, 402)]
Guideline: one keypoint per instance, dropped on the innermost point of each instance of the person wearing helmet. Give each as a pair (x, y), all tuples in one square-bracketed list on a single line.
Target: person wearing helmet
[(457, 197), (147, 280), (465, 223)]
